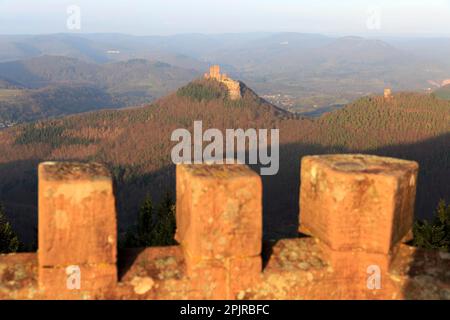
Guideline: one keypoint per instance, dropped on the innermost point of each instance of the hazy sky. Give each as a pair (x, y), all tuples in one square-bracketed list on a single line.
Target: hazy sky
[(151, 17)]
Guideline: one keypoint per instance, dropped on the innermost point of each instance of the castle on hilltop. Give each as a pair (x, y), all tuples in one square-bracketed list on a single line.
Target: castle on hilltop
[(234, 87)]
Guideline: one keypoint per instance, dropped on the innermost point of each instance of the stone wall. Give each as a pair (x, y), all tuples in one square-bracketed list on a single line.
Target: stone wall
[(356, 213)]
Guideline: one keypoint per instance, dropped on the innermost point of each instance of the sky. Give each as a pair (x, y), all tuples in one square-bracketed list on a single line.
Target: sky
[(164, 17)]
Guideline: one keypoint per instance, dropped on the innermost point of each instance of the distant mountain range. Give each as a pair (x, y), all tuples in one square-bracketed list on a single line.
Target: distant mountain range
[(299, 72), (50, 86)]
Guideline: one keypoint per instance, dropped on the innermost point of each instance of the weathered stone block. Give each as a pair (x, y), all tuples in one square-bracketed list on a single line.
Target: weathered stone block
[(243, 274), (354, 264), (77, 280), (357, 202), (210, 279), (77, 219), (219, 211)]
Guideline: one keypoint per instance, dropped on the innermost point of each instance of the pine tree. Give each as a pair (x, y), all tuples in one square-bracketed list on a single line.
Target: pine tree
[(145, 223), (165, 222), (154, 228), (435, 234), (9, 242)]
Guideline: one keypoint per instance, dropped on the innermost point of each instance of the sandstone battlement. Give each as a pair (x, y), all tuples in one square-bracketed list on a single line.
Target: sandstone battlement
[(356, 213), (234, 87)]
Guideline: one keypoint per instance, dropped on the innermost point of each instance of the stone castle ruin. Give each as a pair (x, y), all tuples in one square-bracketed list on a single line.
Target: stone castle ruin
[(234, 87), (356, 215)]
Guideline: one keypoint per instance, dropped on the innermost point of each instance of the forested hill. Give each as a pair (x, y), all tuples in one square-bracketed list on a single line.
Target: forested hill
[(135, 143)]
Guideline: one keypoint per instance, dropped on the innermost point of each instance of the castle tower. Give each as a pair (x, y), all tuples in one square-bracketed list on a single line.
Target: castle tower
[(214, 72)]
